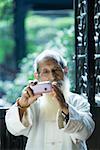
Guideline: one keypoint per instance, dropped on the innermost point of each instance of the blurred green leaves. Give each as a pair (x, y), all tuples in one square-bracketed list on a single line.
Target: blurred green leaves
[(6, 30), (41, 33)]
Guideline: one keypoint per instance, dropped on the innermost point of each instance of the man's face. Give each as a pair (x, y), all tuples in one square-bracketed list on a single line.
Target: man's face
[(50, 70)]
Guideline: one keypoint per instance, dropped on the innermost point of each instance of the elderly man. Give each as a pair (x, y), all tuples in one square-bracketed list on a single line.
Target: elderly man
[(58, 120)]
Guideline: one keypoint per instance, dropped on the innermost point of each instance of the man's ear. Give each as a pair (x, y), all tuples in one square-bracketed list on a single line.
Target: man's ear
[(36, 75), (66, 69)]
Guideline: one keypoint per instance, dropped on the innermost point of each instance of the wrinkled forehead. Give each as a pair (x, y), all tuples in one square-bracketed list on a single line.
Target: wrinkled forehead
[(48, 61), (47, 56)]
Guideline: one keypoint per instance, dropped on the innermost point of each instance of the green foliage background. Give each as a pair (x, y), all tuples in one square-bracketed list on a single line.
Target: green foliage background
[(41, 33), (6, 29)]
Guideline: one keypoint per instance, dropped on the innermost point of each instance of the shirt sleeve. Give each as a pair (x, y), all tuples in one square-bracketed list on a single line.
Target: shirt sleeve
[(80, 124), (13, 123)]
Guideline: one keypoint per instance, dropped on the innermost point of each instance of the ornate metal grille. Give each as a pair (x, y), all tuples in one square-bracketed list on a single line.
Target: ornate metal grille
[(97, 49), (81, 46), (87, 29)]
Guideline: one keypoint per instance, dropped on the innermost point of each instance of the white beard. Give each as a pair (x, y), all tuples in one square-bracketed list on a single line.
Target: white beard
[(48, 102)]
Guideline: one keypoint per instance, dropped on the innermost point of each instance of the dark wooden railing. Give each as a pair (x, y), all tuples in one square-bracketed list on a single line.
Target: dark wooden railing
[(8, 141)]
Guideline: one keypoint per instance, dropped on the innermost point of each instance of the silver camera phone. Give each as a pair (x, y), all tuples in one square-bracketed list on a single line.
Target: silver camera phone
[(42, 87)]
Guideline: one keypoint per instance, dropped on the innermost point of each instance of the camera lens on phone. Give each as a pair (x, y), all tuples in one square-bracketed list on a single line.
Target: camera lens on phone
[(45, 89)]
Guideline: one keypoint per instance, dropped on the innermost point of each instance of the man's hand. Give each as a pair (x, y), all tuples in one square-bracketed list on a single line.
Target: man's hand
[(60, 98), (28, 96)]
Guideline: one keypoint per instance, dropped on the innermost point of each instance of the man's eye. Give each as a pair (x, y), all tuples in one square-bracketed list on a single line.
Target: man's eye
[(45, 72)]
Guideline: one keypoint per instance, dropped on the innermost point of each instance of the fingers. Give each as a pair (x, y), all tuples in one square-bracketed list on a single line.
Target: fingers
[(25, 93), (56, 89), (58, 94), (28, 92), (28, 96)]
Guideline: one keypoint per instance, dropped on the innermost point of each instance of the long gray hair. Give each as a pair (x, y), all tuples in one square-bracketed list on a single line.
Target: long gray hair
[(49, 54)]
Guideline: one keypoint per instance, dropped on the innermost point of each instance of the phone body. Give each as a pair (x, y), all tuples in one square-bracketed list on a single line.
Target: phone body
[(42, 87)]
